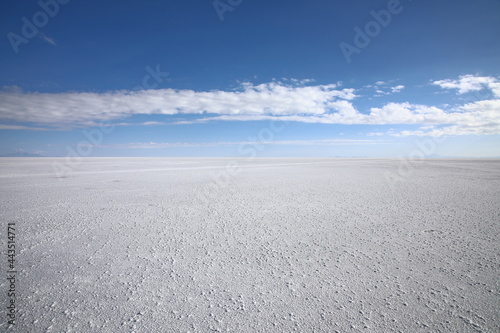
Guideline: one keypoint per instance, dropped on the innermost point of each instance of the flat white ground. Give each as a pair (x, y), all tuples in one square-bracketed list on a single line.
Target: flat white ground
[(272, 245)]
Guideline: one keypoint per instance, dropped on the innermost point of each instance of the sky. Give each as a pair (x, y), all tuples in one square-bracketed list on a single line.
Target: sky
[(240, 78)]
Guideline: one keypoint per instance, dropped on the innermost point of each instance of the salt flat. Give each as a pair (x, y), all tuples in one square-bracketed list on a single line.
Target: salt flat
[(269, 245)]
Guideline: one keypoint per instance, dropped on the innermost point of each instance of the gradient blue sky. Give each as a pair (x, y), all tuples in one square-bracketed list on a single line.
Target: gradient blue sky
[(270, 78)]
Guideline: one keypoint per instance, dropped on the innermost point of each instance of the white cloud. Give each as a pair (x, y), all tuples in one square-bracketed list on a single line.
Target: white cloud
[(397, 88), (468, 83), (391, 113), (478, 118), (327, 142), (383, 88), (82, 108), (326, 104)]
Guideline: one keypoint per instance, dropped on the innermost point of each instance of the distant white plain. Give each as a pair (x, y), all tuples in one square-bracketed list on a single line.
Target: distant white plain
[(278, 245)]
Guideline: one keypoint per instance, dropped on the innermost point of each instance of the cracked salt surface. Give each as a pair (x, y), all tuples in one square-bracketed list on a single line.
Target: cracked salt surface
[(290, 245)]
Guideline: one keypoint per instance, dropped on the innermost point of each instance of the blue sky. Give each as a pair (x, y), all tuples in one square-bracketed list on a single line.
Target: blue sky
[(243, 78)]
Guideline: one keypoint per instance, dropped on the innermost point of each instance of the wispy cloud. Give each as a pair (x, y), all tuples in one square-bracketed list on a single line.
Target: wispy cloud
[(327, 142), (21, 127), (47, 39), (23, 153), (397, 88), (383, 88)]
